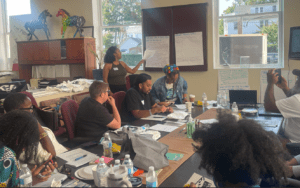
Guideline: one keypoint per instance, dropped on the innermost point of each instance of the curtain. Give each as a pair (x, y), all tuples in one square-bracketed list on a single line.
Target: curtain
[(4, 61)]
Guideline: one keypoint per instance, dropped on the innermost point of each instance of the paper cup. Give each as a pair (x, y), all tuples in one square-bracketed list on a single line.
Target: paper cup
[(188, 106), (95, 175), (192, 98)]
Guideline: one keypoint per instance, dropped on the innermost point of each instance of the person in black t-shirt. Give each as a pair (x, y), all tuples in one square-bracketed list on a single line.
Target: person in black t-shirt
[(93, 119), (138, 102)]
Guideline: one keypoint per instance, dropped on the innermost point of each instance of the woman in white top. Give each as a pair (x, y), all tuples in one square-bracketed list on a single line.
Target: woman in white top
[(48, 144)]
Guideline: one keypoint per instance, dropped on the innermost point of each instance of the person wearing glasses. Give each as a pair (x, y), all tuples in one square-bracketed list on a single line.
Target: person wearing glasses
[(171, 88), (93, 118), (48, 144)]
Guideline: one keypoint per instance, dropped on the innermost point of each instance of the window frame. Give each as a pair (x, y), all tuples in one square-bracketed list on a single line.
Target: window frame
[(215, 21), (99, 26)]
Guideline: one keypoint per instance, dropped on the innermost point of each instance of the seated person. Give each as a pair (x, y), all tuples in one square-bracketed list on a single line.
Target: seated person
[(19, 133), (170, 88), (288, 107), (93, 119), (138, 102), (239, 153), (48, 144)]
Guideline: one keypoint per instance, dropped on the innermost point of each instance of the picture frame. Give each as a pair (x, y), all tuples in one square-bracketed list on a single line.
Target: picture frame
[(88, 31)]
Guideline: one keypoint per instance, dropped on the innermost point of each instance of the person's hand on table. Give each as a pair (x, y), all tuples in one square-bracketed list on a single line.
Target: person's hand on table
[(185, 100), (163, 109), (170, 109), (272, 77)]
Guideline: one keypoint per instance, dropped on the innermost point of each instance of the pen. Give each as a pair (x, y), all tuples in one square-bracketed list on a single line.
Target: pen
[(80, 157)]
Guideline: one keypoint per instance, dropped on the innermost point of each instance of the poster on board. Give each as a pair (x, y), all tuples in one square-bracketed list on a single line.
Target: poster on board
[(161, 46)]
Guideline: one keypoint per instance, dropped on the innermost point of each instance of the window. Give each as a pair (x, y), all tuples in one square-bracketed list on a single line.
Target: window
[(274, 8), (120, 26), (249, 45), (261, 9), (235, 25)]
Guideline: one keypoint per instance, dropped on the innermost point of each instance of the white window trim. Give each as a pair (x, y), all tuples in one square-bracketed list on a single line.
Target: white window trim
[(98, 28), (216, 54)]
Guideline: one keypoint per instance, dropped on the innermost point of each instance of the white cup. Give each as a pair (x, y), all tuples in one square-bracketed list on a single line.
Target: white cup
[(119, 177), (192, 98), (188, 106)]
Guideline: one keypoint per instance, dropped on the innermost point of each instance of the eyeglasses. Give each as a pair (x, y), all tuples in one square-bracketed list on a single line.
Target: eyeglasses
[(29, 109), (108, 91)]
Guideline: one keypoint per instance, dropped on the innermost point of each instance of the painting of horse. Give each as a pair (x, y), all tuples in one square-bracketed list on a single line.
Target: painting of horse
[(68, 20), (40, 23)]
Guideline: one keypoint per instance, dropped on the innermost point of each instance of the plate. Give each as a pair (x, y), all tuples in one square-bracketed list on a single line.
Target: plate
[(85, 173)]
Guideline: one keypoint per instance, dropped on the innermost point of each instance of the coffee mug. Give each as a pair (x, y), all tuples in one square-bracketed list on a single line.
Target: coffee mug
[(119, 177)]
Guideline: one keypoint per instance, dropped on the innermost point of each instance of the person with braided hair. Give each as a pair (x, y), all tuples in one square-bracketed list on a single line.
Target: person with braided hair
[(19, 133), (171, 88)]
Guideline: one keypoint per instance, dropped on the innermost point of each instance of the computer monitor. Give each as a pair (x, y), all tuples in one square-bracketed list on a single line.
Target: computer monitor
[(294, 46), (243, 96)]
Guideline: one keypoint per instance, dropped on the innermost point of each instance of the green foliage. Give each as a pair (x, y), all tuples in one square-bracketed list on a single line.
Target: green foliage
[(107, 41), (230, 9), (221, 27), (246, 2), (272, 31)]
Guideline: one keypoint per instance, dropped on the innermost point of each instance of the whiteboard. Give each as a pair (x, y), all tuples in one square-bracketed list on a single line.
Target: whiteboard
[(189, 49), (278, 93), (161, 45)]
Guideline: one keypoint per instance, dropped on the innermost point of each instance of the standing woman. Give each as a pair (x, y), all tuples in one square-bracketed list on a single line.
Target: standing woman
[(171, 88), (115, 71)]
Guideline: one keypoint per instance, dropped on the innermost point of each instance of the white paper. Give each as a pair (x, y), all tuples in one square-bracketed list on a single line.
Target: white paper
[(172, 123), (161, 44), (62, 71), (200, 181), (181, 106), (148, 54), (209, 121), (189, 49), (267, 123), (278, 93), (165, 128), (155, 118), (55, 175), (47, 71), (177, 115), (70, 157)]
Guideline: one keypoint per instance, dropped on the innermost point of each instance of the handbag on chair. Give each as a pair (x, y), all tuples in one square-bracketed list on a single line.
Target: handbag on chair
[(47, 117)]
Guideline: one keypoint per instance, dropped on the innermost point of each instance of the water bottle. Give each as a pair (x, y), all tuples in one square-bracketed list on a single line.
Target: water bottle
[(204, 100), (25, 176), (145, 127), (101, 172), (117, 163), (129, 164), (190, 127), (107, 146), (219, 96), (234, 109), (151, 178), (224, 99)]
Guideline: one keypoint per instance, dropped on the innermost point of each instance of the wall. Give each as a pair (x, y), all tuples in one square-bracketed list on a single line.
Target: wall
[(74, 7), (199, 82)]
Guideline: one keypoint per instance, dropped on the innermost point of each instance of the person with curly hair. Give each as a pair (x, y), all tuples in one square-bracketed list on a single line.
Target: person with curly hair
[(115, 71), (171, 88), (19, 133), (240, 153)]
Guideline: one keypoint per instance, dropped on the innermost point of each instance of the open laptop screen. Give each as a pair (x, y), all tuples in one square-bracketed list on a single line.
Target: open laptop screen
[(243, 96)]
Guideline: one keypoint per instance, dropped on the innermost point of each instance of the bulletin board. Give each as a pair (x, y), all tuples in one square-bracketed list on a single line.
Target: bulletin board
[(169, 21)]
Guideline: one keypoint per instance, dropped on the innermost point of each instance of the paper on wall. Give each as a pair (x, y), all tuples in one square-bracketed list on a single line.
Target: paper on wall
[(161, 44), (278, 93), (47, 71), (189, 49), (148, 54), (62, 71)]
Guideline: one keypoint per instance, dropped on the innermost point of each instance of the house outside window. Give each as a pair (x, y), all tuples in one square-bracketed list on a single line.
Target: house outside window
[(261, 9), (274, 8), (234, 43)]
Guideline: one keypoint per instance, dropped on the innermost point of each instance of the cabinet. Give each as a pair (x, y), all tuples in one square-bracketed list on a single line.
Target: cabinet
[(53, 52)]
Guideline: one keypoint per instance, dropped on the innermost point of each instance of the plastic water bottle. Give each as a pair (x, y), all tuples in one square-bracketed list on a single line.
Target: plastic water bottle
[(204, 100), (151, 178), (234, 109), (129, 164), (107, 146), (101, 172), (117, 163), (224, 99), (190, 127), (25, 176), (219, 96)]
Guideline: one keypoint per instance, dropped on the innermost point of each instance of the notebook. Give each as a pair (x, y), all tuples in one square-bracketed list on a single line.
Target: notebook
[(243, 98)]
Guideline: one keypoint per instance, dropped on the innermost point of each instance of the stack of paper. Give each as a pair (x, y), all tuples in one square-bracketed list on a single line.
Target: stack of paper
[(165, 128), (155, 118), (72, 157)]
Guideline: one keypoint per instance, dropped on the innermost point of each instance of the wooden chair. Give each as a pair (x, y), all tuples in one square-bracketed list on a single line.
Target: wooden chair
[(69, 111)]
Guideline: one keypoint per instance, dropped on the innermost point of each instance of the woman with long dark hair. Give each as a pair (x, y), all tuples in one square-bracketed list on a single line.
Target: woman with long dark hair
[(115, 71), (171, 88)]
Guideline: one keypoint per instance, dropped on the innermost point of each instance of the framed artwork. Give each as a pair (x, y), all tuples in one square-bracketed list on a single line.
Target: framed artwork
[(88, 31)]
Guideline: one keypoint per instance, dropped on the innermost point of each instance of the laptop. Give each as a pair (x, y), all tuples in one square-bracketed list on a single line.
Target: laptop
[(243, 98)]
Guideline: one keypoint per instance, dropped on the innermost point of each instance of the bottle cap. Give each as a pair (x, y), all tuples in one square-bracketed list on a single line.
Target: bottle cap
[(117, 161), (24, 165), (127, 156), (151, 168), (101, 160), (106, 134)]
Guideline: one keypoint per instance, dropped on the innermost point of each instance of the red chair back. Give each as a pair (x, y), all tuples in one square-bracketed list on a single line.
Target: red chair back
[(119, 97), (33, 101), (69, 111), (128, 82)]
